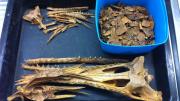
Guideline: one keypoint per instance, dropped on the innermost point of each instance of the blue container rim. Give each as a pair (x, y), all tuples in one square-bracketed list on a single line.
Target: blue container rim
[(164, 12)]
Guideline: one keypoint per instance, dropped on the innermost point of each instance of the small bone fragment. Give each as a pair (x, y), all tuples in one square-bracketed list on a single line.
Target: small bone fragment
[(48, 24), (34, 16), (57, 31), (51, 29)]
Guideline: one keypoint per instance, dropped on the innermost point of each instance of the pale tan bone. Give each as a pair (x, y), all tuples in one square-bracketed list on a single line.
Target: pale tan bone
[(68, 9), (57, 31), (81, 22), (34, 16), (72, 15), (53, 28), (43, 92), (75, 12), (89, 60), (54, 13), (102, 76), (66, 20), (138, 87), (48, 24)]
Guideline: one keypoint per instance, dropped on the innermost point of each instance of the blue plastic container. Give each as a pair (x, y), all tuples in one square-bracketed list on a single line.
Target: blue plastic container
[(156, 9)]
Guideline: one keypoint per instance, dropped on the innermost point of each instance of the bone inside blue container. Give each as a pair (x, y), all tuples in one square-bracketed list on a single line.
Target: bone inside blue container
[(155, 8)]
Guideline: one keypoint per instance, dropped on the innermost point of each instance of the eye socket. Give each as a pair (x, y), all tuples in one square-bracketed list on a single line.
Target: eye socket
[(121, 69), (117, 69), (119, 82), (122, 82)]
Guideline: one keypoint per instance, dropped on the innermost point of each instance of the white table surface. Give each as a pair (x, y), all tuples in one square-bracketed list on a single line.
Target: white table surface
[(2, 14), (175, 4)]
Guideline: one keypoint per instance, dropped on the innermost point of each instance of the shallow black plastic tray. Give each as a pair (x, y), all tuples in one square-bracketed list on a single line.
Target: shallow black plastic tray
[(21, 40)]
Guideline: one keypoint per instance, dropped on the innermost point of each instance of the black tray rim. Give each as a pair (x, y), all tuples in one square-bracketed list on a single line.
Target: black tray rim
[(171, 53)]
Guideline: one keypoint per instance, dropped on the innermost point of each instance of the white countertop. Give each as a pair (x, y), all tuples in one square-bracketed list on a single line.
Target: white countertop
[(175, 4), (2, 14)]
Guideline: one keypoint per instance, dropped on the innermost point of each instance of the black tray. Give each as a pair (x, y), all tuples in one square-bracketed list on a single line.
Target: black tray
[(20, 40)]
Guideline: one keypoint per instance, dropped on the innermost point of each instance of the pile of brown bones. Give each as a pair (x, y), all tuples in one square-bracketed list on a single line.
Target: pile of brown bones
[(126, 25)]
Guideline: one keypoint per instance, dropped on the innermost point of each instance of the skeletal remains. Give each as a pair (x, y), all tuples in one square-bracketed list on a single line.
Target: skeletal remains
[(66, 17), (126, 25), (127, 78), (35, 17)]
